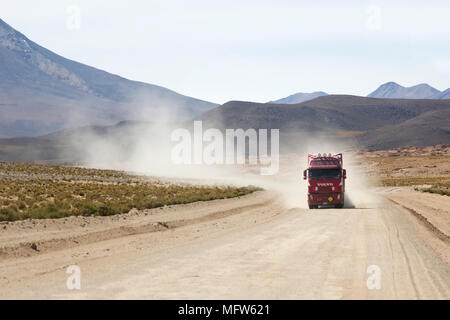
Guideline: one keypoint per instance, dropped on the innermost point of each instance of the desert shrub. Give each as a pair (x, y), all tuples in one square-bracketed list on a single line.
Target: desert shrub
[(22, 205), (13, 207), (88, 209), (108, 210), (8, 215), (50, 212), (437, 190)]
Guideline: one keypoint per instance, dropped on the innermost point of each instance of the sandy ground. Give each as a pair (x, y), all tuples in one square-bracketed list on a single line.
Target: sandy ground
[(434, 209), (255, 247)]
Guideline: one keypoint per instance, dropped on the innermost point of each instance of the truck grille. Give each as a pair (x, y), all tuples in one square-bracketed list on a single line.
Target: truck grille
[(325, 189)]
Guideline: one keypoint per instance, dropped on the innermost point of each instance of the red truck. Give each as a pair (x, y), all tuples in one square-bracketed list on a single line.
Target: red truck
[(326, 180)]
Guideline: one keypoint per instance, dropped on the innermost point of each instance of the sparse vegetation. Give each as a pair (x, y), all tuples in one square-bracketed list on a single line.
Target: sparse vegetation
[(437, 190), (437, 181), (411, 166), (41, 191)]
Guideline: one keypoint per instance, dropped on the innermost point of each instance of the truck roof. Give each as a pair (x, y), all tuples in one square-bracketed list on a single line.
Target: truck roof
[(324, 161)]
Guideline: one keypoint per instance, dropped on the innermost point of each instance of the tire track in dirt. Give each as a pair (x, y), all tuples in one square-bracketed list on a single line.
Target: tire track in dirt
[(424, 221), (408, 263)]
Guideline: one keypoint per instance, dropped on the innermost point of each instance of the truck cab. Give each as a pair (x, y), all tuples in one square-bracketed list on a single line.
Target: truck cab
[(326, 180)]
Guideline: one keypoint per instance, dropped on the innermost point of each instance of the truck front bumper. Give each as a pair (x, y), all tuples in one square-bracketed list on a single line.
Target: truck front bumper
[(325, 198)]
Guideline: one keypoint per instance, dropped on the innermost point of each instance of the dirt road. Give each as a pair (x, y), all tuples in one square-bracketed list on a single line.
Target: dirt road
[(253, 247)]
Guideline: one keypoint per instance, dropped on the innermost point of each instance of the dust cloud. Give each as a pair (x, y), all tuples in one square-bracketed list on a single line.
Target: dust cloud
[(145, 148)]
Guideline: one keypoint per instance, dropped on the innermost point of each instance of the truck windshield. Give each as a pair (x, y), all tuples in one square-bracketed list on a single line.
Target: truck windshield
[(324, 173)]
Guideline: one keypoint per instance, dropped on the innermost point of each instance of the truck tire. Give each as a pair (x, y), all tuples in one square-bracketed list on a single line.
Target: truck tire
[(311, 206), (339, 206)]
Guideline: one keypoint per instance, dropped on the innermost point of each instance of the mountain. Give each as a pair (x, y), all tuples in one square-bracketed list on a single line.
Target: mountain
[(429, 128), (41, 92), (299, 97), (333, 120), (443, 95), (73, 146), (328, 112), (374, 123), (392, 90)]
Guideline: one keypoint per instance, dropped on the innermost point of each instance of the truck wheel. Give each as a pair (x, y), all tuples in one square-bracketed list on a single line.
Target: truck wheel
[(311, 206), (339, 205)]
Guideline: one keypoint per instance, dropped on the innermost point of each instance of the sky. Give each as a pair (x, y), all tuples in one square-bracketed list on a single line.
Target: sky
[(247, 50)]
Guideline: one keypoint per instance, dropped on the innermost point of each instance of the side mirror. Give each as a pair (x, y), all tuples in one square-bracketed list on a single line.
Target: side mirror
[(304, 174), (344, 173)]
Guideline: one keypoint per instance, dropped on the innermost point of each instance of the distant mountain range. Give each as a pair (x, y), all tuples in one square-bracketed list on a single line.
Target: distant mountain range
[(389, 90), (41, 92), (392, 90), (373, 123), (347, 120), (299, 97)]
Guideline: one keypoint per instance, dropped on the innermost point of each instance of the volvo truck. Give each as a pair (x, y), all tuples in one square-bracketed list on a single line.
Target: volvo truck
[(326, 180)]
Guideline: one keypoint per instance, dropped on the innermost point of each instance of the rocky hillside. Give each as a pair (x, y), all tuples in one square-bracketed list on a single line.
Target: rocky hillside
[(41, 92)]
